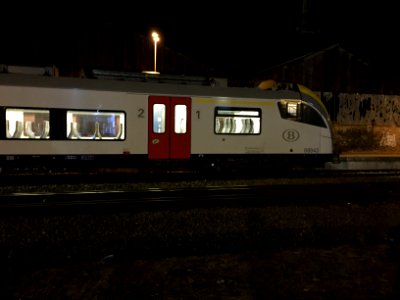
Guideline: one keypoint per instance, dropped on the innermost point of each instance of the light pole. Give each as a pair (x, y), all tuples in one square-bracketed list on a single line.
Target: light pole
[(156, 39)]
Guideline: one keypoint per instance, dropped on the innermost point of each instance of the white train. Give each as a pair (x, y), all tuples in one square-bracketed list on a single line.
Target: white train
[(55, 119)]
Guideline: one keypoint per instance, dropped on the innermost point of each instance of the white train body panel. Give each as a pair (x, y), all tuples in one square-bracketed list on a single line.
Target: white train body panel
[(270, 141), (77, 99), (130, 104)]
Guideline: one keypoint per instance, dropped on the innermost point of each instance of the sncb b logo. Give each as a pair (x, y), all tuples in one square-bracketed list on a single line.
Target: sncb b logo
[(290, 135)]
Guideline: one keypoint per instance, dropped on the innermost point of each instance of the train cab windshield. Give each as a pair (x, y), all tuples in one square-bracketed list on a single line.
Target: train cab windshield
[(300, 111)]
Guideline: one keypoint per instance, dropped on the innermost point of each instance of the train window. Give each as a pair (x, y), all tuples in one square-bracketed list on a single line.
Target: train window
[(95, 125), (292, 109), (301, 112), (180, 118), (26, 123), (159, 111), (235, 120)]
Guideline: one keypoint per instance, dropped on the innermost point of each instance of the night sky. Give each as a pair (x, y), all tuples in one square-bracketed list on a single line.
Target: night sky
[(237, 38)]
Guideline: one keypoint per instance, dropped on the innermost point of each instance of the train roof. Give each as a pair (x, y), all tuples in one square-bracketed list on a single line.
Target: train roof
[(141, 87), (182, 90)]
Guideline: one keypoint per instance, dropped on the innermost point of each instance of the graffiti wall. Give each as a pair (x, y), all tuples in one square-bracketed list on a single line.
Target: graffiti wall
[(368, 114), (364, 109)]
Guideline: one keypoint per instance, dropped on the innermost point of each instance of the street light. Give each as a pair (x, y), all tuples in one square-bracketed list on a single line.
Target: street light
[(156, 39)]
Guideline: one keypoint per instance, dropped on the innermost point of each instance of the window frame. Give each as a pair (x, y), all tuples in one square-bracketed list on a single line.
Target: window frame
[(23, 128), (247, 115)]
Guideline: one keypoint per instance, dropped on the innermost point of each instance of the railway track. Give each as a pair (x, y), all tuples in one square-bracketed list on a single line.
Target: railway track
[(126, 187), (21, 177), (318, 187)]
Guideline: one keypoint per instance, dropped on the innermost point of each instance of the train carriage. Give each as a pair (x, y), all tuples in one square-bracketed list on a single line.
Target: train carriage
[(56, 119)]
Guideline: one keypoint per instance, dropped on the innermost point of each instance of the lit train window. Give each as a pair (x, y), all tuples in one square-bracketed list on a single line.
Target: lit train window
[(159, 111), (180, 118), (292, 109), (301, 112), (234, 120), (95, 125), (26, 123)]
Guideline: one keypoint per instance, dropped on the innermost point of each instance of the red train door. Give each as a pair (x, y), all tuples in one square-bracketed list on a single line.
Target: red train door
[(169, 127)]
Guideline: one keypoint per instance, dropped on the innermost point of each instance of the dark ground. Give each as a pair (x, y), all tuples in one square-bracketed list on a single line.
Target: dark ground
[(341, 272), (340, 251)]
